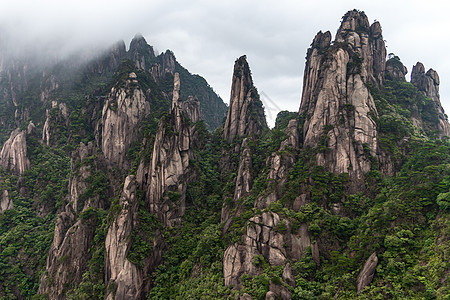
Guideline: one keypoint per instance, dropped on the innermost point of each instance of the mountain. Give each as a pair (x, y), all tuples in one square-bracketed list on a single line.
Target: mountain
[(121, 180)]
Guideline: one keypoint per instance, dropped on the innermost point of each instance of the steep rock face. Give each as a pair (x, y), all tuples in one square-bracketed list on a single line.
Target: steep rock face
[(263, 237), (395, 70), (191, 107), (245, 114), (109, 60), (5, 202), (48, 86), (279, 163), (366, 274), (119, 271), (140, 52), (56, 115), (338, 106), (70, 251), (428, 83), (166, 178), (367, 41), (124, 108), (14, 153), (243, 184), (165, 65)]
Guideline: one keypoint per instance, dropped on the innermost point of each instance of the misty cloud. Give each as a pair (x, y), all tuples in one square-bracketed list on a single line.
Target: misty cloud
[(208, 36)]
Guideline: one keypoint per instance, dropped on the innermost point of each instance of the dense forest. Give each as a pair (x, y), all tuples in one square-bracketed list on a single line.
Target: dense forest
[(127, 177)]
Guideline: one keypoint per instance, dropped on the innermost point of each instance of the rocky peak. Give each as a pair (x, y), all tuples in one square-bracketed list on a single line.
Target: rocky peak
[(165, 180), (321, 40), (338, 106), (395, 70), (246, 113), (367, 44), (176, 90), (428, 83), (352, 21), (124, 108), (190, 107), (14, 153), (140, 52)]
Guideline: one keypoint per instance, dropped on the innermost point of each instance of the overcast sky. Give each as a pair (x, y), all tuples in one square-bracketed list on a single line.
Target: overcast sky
[(207, 36)]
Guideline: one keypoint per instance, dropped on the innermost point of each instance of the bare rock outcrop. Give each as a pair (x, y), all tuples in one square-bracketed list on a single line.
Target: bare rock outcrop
[(367, 272), (140, 52), (14, 153), (338, 106), (280, 162), (75, 227), (5, 202), (267, 237), (166, 65), (395, 70), (428, 83), (165, 179), (245, 114), (125, 107), (119, 271), (243, 184)]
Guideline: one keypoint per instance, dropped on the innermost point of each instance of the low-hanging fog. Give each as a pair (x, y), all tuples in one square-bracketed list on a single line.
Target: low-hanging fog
[(207, 36)]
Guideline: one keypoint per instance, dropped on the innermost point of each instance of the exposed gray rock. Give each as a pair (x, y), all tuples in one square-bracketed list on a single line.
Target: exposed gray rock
[(287, 275), (167, 65), (31, 129), (191, 107), (246, 296), (70, 251), (336, 101), (49, 86), (14, 153), (280, 162), (166, 178), (366, 274), (245, 114), (119, 271), (428, 83), (141, 52), (264, 236), (270, 295), (280, 291), (124, 108), (5, 202), (395, 70)]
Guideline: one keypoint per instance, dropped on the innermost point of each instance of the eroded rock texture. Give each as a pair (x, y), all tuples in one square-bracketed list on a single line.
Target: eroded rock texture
[(124, 108), (367, 272), (5, 202), (140, 52), (245, 114), (119, 271), (14, 153), (395, 70), (75, 227), (428, 83), (338, 106)]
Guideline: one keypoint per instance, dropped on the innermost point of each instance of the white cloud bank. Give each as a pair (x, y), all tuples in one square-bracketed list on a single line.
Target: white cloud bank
[(207, 36)]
